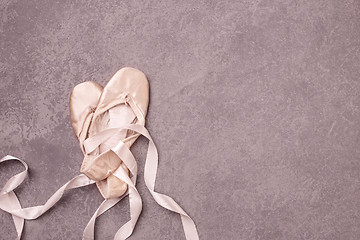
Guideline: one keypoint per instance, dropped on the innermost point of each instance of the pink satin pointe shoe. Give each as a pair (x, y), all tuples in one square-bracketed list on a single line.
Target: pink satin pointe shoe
[(124, 100), (106, 121)]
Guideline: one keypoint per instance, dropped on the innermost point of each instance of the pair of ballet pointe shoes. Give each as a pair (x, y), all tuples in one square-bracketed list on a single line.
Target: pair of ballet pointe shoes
[(106, 121), (94, 109)]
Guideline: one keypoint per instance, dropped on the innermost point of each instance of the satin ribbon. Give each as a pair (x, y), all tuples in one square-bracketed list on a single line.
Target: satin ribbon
[(150, 171), (10, 203)]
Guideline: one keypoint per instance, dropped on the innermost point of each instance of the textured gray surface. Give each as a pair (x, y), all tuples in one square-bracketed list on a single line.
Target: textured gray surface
[(254, 107)]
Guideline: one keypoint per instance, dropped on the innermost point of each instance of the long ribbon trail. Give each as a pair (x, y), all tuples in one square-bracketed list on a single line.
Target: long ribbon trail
[(10, 203), (8, 197), (150, 171), (104, 206)]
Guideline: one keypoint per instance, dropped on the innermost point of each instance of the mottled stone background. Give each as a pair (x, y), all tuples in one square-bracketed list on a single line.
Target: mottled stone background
[(255, 109)]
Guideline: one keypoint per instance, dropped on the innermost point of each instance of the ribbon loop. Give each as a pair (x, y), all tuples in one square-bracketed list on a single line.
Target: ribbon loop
[(10, 203)]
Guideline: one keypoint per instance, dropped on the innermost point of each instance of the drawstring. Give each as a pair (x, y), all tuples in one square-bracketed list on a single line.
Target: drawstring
[(126, 98)]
